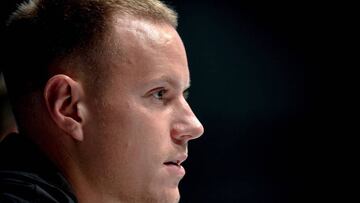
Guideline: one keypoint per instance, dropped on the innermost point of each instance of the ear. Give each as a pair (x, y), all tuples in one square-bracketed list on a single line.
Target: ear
[(64, 100)]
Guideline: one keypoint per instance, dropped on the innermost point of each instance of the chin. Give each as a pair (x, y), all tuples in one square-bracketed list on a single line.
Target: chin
[(163, 197), (171, 199), (169, 196), (175, 197)]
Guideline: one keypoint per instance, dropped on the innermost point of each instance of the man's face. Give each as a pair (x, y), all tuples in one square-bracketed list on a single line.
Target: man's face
[(139, 126)]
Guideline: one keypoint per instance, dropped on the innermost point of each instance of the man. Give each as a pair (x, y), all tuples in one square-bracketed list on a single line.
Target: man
[(100, 87)]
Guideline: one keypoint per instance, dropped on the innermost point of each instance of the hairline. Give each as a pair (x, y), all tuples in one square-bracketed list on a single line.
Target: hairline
[(103, 50)]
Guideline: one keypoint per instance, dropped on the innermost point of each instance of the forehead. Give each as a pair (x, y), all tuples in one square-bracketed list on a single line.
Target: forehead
[(148, 50)]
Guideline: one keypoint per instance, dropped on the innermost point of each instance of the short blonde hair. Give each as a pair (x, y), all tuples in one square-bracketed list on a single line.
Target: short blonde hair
[(42, 32)]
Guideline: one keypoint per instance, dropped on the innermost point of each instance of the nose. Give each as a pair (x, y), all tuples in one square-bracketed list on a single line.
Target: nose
[(186, 125)]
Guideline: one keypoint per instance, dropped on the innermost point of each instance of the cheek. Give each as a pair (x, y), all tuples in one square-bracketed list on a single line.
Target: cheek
[(136, 134), (148, 122), (149, 138), (131, 145)]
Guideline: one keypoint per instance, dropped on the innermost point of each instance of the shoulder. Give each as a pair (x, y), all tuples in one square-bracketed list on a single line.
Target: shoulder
[(27, 175)]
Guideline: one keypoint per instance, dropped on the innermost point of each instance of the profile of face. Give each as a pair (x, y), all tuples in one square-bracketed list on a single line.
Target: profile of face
[(139, 125)]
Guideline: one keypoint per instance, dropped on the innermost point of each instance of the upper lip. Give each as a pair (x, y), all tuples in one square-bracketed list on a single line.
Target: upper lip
[(178, 160)]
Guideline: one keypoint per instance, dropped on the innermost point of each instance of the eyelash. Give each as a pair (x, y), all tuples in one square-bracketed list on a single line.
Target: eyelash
[(160, 94), (162, 91), (186, 94)]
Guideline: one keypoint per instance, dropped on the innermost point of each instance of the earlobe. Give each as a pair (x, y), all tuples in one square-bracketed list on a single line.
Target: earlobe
[(63, 98)]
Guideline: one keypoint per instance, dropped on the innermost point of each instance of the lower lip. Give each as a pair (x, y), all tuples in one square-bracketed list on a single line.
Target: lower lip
[(174, 169)]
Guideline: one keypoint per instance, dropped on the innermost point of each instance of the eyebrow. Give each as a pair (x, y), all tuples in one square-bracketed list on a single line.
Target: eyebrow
[(168, 80)]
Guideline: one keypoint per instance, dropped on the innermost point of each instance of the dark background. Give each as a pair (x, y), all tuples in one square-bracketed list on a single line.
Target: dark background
[(267, 82), (261, 85)]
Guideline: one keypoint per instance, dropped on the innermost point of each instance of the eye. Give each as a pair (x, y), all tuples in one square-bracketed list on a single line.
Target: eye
[(159, 94), (186, 94)]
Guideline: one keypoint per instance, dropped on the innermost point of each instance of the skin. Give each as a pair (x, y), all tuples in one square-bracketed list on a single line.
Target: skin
[(122, 134)]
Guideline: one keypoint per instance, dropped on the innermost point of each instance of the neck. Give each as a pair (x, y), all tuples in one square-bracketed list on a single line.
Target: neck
[(85, 188), (88, 193)]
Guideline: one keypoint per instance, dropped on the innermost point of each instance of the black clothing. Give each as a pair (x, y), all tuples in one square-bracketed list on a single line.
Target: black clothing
[(28, 176)]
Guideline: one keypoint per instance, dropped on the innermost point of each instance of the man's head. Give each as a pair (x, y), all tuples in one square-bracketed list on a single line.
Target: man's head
[(44, 33), (109, 106)]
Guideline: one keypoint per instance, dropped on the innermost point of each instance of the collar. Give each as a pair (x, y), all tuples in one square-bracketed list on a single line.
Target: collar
[(20, 157)]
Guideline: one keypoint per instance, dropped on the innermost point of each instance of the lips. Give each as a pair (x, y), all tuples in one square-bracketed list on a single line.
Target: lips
[(174, 165), (177, 160)]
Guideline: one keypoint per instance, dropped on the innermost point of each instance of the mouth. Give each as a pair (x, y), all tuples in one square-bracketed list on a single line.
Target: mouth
[(174, 166), (173, 163)]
